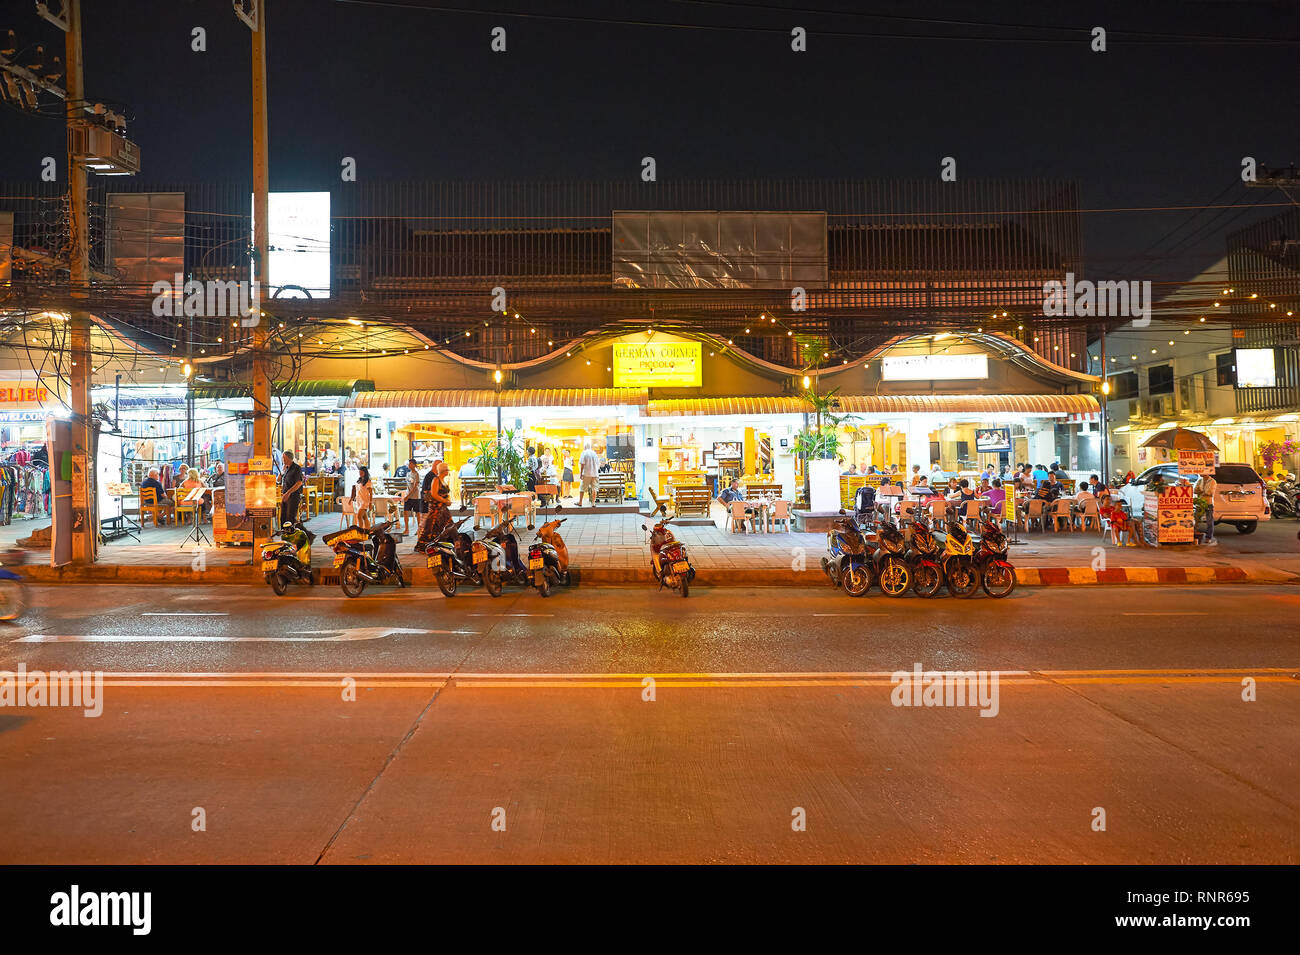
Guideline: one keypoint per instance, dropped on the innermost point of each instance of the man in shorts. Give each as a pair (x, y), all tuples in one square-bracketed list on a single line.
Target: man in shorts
[(588, 472)]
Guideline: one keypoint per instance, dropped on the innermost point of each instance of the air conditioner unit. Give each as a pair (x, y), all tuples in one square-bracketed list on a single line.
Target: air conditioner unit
[(1161, 407), (103, 151)]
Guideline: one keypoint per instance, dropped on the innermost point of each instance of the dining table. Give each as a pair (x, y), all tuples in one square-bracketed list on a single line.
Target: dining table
[(516, 502)]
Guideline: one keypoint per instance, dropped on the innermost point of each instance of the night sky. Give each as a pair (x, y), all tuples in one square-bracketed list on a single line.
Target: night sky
[(419, 94)]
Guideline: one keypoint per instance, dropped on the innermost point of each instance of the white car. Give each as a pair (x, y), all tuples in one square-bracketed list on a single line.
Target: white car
[(1240, 498)]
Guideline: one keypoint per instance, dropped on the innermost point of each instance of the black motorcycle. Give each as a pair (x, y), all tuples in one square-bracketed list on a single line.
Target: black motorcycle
[(923, 556), (455, 556), (288, 560), (503, 548), (848, 561), (365, 556), (893, 572)]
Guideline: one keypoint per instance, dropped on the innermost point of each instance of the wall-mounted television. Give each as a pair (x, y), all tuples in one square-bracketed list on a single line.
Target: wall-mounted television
[(727, 450), (990, 440), (1256, 367)]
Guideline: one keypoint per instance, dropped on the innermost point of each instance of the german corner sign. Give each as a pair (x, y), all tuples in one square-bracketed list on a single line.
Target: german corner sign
[(657, 365)]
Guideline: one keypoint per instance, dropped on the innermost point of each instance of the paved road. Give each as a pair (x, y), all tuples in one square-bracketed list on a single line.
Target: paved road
[(768, 705)]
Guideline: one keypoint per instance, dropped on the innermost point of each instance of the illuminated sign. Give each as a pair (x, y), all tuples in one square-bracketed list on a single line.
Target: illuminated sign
[(933, 367), (657, 365), (1256, 367), (23, 395), (298, 231)]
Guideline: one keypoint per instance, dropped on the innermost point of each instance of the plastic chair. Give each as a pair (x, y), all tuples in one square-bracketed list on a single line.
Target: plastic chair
[(483, 507), (905, 510), (781, 512), (938, 509), (1091, 514), (1035, 510), (347, 512), (1061, 512), (736, 514)]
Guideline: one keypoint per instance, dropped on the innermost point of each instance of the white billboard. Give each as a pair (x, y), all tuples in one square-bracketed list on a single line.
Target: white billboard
[(299, 237), (933, 367)]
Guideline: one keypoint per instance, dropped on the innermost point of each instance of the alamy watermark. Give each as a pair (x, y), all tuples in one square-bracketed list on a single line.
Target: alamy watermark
[(210, 299), (36, 688), (976, 688), (1098, 299)]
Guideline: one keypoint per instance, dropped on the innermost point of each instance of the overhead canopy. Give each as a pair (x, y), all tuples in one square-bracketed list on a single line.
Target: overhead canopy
[(303, 388), (489, 398), (881, 405), (1180, 439)]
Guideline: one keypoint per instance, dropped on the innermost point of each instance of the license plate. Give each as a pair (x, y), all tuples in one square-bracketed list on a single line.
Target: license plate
[(270, 566), (681, 567), (434, 562), (338, 561), (535, 563), (481, 557)]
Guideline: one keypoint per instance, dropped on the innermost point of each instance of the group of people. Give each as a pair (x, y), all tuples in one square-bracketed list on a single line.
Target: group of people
[(180, 480)]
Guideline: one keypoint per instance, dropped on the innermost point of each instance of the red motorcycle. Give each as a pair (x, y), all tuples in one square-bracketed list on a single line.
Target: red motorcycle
[(668, 560)]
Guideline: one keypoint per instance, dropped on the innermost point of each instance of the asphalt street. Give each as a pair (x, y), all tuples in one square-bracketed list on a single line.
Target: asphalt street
[(627, 725)]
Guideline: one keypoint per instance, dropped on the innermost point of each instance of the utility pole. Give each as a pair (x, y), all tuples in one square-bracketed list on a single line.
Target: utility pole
[(254, 15), (84, 535), (1105, 412)]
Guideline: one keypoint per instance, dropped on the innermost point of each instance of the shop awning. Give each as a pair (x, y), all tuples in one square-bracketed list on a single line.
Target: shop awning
[(968, 404), (881, 405), (306, 388), (489, 398), (673, 407)]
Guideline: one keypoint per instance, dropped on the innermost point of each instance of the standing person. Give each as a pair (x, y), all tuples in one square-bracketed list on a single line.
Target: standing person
[(545, 467), (363, 494), (1208, 485), (530, 469), (588, 471), (437, 499), (412, 506), (566, 479), (291, 490)]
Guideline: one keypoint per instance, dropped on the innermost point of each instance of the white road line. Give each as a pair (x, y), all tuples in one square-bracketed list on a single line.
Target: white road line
[(880, 614), (510, 615), (1163, 613), (307, 636), (183, 613)]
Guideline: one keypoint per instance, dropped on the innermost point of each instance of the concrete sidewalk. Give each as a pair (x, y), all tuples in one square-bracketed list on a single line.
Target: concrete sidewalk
[(612, 548)]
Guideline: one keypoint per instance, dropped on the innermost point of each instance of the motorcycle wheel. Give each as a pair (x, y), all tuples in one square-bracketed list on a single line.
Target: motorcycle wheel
[(857, 581), (685, 581), (350, 579), (895, 578), (926, 580), (562, 578), (492, 581), (963, 579), (13, 600), (279, 583), (446, 582), (544, 588), (999, 580)]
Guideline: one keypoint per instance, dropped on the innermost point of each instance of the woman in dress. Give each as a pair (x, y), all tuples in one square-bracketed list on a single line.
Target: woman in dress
[(363, 493), (566, 479)]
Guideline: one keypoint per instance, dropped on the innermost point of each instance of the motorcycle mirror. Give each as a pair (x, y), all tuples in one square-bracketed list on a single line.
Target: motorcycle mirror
[(643, 527), (559, 507), (842, 511)]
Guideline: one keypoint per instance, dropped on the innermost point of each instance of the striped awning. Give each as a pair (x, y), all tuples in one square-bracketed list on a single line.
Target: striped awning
[(969, 404), (300, 388), (489, 398), (674, 407)]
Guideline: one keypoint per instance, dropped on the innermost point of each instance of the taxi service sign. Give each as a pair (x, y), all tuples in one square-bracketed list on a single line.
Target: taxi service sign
[(1175, 513), (1195, 462), (657, 365)]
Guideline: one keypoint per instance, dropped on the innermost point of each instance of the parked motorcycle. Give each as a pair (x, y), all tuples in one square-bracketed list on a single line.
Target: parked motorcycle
[(996, 573), (455, 556), (548, 558), (1284, 499), (288, 560), (13, 592), (958, 561), (923, 556), (893, 572), (365, 556), (849, 561), (503, 550), (668, 560)]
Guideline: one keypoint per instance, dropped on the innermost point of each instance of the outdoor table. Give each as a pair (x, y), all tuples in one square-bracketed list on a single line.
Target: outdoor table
[(381, 502), (515, 502)]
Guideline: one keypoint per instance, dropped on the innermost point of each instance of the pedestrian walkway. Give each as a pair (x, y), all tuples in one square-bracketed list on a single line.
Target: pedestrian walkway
[(616, 543)]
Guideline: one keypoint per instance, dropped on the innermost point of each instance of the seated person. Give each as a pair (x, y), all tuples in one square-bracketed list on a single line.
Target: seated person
[(191, 482), (964, 498), (732, 494), (152, 482), (997, 495)]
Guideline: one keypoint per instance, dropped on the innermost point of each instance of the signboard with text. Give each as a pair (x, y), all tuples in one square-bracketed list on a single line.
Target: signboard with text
[(1175, 516), (1196, 462), (657, 365)]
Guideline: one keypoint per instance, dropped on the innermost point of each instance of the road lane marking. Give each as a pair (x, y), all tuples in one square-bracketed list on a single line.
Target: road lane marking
[(879, 614), (295, 636), (185, 613), (510, 615), (1162, 613), (578, 681)]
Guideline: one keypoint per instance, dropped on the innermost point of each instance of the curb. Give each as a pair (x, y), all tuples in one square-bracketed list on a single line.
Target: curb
[(759, 576)]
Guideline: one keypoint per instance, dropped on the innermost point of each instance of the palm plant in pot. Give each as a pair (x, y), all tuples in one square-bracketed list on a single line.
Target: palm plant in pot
[(820, 441)]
